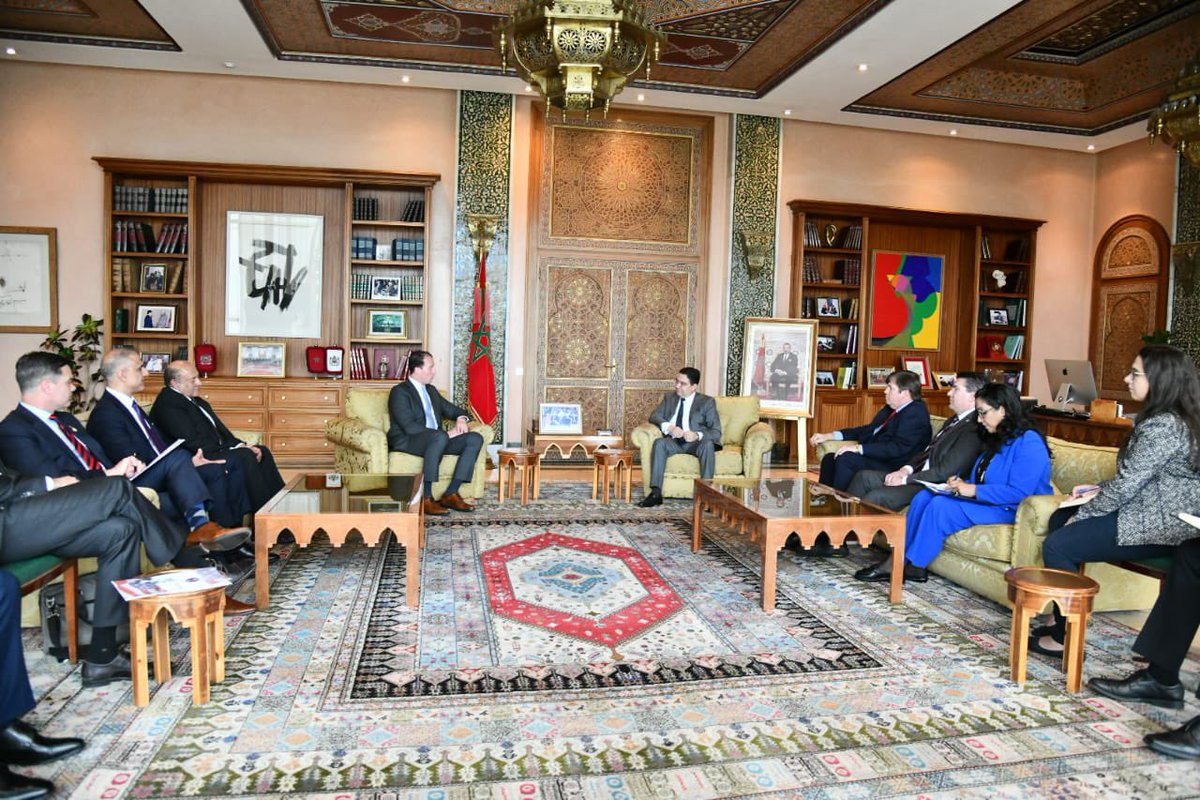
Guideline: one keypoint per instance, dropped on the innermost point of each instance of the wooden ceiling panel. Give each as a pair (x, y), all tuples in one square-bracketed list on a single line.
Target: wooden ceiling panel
[(104, 23)]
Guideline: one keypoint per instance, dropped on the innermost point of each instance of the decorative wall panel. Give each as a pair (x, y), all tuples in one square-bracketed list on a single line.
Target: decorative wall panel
[(612, 185), (1131, 254), (578, 322), (638, 405), (484, 172), (1128, 310), (1185, 312), (757, 142), (655, 324)]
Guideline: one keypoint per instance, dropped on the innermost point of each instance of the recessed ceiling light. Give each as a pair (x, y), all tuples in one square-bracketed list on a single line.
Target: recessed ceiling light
[(10, 51), (641, 98), (404, 79), (954, 131), (1091, 147), (787, 112), (862, 67), (229, 65)]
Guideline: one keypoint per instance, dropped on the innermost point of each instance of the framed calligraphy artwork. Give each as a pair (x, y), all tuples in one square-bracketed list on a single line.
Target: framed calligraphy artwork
[(273, 274), (28, 271)]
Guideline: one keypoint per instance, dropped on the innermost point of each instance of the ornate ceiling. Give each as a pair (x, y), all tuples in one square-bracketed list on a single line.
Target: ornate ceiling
[(1068, 66)]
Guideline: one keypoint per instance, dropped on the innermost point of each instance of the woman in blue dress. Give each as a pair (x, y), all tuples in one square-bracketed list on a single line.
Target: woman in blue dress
[(1014, 465)]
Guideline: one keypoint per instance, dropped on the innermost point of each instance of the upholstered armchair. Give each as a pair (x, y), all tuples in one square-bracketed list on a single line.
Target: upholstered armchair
[(360, 444), (744, 442), (978, 557)]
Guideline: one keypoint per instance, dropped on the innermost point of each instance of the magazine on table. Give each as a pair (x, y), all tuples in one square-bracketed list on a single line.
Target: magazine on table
[(175, 581)]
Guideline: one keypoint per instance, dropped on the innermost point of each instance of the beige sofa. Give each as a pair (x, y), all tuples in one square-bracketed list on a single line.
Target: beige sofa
[(744, 442), (360, 444), (978, 557)]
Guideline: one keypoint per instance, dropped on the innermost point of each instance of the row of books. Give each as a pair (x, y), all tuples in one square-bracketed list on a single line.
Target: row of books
[(1016, 249), (848, 237), (367, 286), (368, 248), (379, 363), (989, 345), (366, 208), (812, 272), (844, 378), (147, 198), (414, 211), (849, 269), (128, 276), (138, 237)]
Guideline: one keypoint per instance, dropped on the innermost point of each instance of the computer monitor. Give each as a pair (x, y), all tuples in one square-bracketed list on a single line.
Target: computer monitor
[(1071, 382)]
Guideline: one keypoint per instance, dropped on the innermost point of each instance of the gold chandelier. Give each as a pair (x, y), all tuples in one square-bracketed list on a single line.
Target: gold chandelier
[(1177, 120), (579, 54)]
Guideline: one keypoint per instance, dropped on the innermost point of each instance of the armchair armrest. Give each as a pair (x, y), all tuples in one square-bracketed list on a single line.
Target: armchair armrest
[(475, 426), (760, 437), (360, 447), (832, 446), (249, 437), (1031, 527)]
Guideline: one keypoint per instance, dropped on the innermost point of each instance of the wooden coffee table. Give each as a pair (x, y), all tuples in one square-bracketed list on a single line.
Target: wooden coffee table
[(772, 510), (370, 504)]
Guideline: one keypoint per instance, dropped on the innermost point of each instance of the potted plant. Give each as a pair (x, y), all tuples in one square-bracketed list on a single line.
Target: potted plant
[(81, 347)]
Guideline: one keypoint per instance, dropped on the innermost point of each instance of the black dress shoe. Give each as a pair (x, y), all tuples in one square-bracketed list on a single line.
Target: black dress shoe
[(14, 786), (876, 573), (915, 574), (22, 745), (1139, 687), (651, 500), (119, 669), (247, 551), (236, 569), (1036, 646), (1183, 742)]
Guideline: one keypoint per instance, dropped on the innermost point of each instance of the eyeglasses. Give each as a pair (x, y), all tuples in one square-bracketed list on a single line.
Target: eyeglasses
[(983, 410), (1135, 374)]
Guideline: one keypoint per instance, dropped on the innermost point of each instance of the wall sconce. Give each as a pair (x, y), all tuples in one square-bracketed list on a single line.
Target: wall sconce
[(1177, 120), (1185, 256), (482, 230), (757, 246)]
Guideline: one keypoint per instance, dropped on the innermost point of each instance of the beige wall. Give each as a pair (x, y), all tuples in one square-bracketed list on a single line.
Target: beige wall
[(57, 117)]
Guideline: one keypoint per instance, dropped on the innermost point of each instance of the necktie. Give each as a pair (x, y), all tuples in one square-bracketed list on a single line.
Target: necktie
[(85, 455), (679, 414), (947, 425), (207, 416), (156, 441), (430, 419), (883, 424)]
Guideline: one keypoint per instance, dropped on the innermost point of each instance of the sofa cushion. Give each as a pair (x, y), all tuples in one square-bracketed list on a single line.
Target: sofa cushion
[(737, 414), (370, 406), (984, 541), (729, 462), (1074, 464)]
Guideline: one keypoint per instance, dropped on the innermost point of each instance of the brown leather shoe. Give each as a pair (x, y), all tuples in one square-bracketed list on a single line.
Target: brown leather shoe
[(433, 508), (236, 608), (211, 536), (456, 502)]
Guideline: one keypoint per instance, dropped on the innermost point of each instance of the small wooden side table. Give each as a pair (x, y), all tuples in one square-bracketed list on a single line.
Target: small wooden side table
[(1030, 589), (203, 614), (523, 462), (612, 465)]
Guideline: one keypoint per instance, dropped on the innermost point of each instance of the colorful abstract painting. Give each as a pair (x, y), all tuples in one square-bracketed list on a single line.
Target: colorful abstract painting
[(906, 300)]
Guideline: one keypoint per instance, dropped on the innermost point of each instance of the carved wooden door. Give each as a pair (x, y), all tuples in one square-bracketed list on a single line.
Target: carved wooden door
[(616, 333)]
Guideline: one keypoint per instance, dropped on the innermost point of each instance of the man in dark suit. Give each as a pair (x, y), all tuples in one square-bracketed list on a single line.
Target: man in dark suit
[(898, 432), (106, 518), (1164, 640), (689, 424), (417, 409), (785, 372), (181, 413), (122, 428), (20, 743)]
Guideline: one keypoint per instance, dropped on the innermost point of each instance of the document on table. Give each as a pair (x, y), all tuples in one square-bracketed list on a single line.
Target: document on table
[(172, 581), (146, 468)]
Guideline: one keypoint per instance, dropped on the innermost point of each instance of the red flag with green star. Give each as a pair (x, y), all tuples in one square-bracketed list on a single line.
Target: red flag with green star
[(481, 377)]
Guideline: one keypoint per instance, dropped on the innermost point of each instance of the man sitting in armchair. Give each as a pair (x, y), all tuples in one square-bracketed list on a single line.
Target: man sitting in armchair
[(416, 409), (689, 424)]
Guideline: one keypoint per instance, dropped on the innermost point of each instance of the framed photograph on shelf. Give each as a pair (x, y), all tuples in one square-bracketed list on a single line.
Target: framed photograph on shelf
[(778, 363), (261, 359), (385, 287), (877, 377), (906, 300), (997, 316), (826, 344), (154, 278), (560, 418), (919, 365), (273, 267), (155, 319), (156, 363), (387, 324), (385, 507), (28, 280), (825, 378), (944, 379), (829, 307), (333, 360)]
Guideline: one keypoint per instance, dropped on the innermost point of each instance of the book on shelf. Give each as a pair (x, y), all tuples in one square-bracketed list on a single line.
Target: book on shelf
[(1013, 377), (812, 272), (166, 200), (1014, 346), (414, 211), (812, 236), (852, 237), (989, 345), (846, 375), (985, 248), (851, 271), (366, 208), (1017, 250), (850, 308), (175, 283)]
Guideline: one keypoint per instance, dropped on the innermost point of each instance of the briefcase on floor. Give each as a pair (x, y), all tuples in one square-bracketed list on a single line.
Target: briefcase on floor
[(54, 617)]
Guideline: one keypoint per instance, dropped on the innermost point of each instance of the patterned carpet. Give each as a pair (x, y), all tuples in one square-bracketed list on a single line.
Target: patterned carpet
[(566, 649)]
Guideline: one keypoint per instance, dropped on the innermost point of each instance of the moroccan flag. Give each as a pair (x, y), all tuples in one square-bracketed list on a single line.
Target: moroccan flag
[(481, 378)]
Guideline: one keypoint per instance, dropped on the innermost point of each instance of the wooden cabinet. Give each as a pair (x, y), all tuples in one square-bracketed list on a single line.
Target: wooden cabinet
[(982, 267), (290, 415)]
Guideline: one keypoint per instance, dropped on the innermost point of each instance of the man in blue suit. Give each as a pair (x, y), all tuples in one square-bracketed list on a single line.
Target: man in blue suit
[(899, 432), (122, 428), (20, 743)]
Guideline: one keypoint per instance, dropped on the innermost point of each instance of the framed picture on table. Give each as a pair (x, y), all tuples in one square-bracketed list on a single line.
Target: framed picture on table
[(560, 418), (919, 365), (261, 359)]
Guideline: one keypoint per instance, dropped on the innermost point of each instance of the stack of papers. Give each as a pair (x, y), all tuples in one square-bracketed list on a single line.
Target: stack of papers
[(176, 581)]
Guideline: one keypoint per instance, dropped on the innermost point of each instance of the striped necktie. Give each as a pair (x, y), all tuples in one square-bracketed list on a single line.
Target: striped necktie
[(156, 440), (85, 455)]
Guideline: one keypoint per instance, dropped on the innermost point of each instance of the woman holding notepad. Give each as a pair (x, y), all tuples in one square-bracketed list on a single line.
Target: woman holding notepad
[(1014, 465), (1133, 515)]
